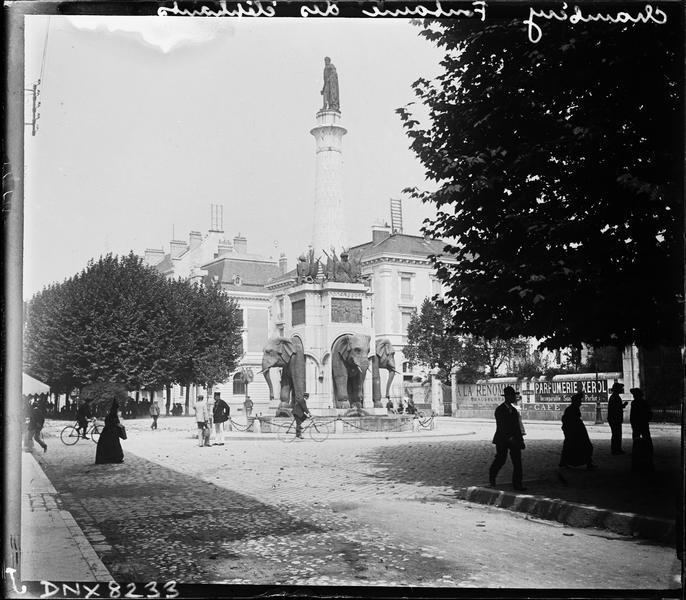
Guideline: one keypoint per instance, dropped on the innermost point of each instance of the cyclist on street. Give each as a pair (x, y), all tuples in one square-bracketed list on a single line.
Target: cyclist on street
[(300, 413), (83, 414)]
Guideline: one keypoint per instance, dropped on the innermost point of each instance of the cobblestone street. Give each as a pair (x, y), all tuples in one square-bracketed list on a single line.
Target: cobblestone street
[(354, 510)]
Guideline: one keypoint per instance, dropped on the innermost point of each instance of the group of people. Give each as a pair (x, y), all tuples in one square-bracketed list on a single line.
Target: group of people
[(410, 409), (209, 414), (577, 449)]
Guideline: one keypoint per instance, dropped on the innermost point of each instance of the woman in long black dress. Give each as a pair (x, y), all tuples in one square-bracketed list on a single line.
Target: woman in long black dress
[(109, 447), (577, 448), (639, 416)]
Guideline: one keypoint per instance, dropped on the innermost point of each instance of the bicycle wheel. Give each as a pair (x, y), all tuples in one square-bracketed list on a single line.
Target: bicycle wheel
[(286, 433), (69, 435), (319, 431), (95, 433)]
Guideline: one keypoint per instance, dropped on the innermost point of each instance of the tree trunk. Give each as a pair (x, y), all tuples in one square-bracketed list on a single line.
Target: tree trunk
[(188, 397), (168, 404)]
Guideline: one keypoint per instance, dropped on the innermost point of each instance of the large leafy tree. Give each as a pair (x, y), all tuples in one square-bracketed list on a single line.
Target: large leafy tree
[(557, 174), (123, 322)]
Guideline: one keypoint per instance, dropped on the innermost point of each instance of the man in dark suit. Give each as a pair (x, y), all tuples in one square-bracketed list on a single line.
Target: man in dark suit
[(300, 413), (509, 436)]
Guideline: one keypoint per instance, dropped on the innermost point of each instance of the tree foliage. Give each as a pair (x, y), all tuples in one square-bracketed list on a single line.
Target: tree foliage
[(557, 167), (119, 321), (431, 342)]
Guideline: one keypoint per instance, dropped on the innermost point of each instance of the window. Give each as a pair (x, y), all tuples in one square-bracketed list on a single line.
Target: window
[(241, 318), (406, 317), (406, 294), (279, 330), (238, 385), (297, 312), (279, 309)]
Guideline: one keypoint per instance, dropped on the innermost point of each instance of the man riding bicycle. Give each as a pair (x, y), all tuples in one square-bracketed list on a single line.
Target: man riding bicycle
[(300, 413), (83, 415)]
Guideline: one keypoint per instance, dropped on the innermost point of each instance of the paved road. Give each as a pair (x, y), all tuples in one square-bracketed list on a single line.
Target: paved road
[(354, 510)]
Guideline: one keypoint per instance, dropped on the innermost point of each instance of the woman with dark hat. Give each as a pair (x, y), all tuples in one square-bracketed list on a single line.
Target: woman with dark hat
[(577, 448), (639, 417), (109, 447), (615, 416)]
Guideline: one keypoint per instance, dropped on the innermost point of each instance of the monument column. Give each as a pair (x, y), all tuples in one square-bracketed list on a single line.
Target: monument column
[(329, 223)]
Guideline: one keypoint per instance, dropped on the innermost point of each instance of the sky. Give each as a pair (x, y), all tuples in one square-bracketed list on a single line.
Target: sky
[(145, 122)]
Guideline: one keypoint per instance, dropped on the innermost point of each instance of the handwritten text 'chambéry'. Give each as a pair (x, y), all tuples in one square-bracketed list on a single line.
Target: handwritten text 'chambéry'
[(647, 15)]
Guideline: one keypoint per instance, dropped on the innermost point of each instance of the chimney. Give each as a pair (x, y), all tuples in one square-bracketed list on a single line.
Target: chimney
[(177, 248), (194, 239), (240, 244), (224, 247), (283, 263), (153, 257), (380, 233)]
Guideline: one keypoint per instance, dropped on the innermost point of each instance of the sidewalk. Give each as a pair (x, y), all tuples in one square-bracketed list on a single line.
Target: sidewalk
[(54, 548)]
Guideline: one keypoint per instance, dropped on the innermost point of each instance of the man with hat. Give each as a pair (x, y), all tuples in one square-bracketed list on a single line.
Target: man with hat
[(509, 437), (615, 416), (300, 413)]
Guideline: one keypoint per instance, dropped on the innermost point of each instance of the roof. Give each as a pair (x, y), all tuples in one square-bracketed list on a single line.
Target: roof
[(400, 243), (165, 266), (252, 273)]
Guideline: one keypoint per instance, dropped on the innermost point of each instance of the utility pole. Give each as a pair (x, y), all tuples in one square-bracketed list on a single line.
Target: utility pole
[(35, 105)]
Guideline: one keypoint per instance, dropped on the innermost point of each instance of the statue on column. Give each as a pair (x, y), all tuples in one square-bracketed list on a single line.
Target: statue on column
[(330, 90)]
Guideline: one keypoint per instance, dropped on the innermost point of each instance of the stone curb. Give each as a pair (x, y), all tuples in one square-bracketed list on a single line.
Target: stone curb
[(572, 514)]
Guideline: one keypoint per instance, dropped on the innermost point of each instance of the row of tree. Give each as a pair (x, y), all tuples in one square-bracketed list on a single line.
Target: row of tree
[(121, 321), (432, 342)]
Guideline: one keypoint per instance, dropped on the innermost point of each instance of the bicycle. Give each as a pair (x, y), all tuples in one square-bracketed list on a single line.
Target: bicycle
[(318, 431), (422, 421), (72, 434)]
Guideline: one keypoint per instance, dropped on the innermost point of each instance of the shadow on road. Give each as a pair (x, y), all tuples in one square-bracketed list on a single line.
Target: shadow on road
[(464, 463)]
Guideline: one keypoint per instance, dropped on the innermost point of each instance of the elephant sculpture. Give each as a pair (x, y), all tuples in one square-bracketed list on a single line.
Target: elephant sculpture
[(349, 365), (383, 359), (288, 354)]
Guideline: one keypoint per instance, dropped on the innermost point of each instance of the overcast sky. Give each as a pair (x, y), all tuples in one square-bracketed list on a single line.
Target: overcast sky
[(145, 122)]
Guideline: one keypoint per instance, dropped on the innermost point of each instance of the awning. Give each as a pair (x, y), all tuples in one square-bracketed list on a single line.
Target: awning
[(29, 385)]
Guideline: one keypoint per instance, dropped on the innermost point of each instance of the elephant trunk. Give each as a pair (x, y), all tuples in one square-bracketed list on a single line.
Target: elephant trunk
[(376, 382), (265, 372)]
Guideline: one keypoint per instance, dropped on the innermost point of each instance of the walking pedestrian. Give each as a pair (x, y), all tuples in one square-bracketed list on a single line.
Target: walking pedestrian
[(509, 437), (642, 448), (109, 447), (201, 419), (220, 413), (300, 413), (615, 417), (210, 415), (248, 404), (154, 413), (577, 448), (35, 426)]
